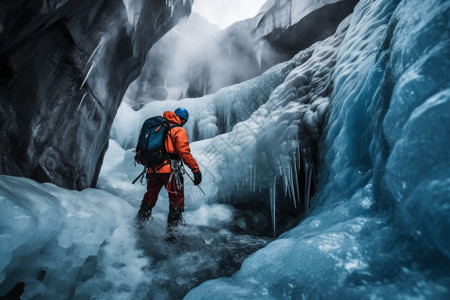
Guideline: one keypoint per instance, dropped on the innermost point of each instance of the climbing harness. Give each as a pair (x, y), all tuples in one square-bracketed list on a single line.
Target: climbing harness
[(175, 184), (144, 172), (175, 181)]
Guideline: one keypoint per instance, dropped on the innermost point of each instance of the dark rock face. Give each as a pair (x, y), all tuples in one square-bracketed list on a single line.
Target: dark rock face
[(64, 68)]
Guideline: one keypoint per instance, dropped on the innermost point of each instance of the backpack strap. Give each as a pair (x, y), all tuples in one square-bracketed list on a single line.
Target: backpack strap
[(169, 126), (144, 172)]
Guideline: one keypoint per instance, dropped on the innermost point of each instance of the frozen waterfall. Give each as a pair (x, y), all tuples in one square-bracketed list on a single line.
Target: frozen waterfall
[(380, 224)]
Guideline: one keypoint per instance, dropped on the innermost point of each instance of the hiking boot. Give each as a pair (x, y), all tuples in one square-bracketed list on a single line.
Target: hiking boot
[(144, 213), (175, 217)]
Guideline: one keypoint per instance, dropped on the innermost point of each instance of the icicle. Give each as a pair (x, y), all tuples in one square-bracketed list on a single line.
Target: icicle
[(286, 182), (273, 192), (286, 176), (294, 192), (95, 51), (295, 179), (81, 102), (283, 176), (308, 173), (88, 73), (259, 57)]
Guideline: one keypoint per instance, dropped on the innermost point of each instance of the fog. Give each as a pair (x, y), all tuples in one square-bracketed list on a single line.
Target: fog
[(197, 58)]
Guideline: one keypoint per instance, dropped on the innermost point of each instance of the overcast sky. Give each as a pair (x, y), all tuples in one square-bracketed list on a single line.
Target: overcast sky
[(225, 12)]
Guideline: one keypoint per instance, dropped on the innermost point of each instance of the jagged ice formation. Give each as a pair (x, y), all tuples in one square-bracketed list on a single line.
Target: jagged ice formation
[(380, 223)]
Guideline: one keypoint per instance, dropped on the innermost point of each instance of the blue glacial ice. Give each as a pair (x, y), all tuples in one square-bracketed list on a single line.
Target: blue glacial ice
[(380, 223)]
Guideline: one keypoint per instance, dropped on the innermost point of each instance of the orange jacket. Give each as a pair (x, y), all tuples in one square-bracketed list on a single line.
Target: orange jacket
[(177, 143)]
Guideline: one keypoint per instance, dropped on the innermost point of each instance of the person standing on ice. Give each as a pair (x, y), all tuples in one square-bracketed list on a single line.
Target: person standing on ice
[(168, 174)]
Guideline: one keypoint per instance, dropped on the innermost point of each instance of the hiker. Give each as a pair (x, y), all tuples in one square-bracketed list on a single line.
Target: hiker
[(168, 173)]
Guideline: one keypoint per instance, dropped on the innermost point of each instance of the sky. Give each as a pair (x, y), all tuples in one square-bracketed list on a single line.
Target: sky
[(223, 13)]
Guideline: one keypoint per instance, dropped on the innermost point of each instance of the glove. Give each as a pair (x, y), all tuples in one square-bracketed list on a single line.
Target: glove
[(197, 178)]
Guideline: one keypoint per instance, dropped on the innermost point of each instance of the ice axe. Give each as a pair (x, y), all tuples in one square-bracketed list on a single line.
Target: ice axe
[(193, 182)]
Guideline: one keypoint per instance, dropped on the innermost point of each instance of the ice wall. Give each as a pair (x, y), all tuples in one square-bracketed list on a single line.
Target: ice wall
[(380, 218), (64, 68)]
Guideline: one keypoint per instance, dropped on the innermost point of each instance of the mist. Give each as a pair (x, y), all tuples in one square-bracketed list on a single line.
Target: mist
[(197, 58)]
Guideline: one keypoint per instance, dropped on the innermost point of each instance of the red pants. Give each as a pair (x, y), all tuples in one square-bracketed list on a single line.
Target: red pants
[(155, 184)]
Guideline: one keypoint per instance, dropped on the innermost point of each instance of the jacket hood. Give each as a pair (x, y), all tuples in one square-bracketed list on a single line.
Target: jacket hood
[(172, 117)]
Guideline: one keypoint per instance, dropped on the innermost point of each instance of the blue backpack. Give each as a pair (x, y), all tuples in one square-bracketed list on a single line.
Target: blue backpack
[(150, 149)]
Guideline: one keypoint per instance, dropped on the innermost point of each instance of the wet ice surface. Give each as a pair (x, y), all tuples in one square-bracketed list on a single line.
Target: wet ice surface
[(196, 254), (214, 242)]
